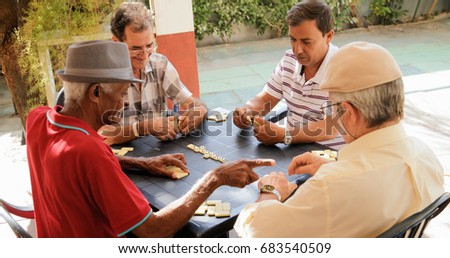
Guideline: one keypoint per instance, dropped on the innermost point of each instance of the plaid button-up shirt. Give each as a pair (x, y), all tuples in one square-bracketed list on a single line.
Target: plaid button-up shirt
[(161, 82)]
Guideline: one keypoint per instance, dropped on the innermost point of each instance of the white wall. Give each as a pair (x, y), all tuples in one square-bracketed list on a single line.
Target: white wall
[(173, 16)]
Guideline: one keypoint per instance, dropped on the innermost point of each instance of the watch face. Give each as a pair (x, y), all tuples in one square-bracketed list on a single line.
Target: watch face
[(269, 188), (288, 140)]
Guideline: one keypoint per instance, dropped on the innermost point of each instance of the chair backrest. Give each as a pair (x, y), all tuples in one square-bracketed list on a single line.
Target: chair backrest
[(414, 225), (26, 212), (60, 98)]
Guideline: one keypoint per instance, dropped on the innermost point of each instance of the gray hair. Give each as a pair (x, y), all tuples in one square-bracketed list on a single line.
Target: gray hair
[(379, 104), (74, 92), (135, 14)]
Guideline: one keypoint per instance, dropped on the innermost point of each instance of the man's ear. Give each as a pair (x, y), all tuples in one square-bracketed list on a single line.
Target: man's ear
[(329, 36), (352, 113), (94, 92), (115, 39)]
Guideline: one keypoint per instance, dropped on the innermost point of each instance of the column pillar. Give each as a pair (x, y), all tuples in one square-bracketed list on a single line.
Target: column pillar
[(176, 39)]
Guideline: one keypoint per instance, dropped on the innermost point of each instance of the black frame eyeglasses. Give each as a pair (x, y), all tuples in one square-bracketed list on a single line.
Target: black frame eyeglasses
[(328, 108)]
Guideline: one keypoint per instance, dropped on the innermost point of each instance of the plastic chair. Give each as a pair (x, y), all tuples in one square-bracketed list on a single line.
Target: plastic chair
[(6, 209), (60, 98), (414, 225)]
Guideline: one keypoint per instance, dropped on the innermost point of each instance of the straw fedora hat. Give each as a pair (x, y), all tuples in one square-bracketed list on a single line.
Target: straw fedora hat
[(98, 61)]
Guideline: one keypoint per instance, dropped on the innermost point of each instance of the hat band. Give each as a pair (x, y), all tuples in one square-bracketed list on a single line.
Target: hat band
[(118, 73)]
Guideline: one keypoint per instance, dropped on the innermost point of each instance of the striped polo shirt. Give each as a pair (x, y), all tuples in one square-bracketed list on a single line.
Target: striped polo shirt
[(303, 98)]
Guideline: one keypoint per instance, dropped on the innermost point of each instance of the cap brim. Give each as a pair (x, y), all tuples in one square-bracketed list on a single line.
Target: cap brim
[(75, 78)]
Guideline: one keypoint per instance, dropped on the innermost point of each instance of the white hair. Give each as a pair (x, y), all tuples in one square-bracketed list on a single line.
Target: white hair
[(377, 104), (75, 92)]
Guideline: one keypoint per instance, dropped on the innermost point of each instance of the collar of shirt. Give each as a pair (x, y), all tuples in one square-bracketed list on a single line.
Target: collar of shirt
[(373, 140), (318, 78), (148, 67), (70, 123)]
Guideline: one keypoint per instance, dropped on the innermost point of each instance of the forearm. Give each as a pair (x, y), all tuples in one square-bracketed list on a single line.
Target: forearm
[(195, 104), (262, 103), (117, 134), (132, 162), (313, 132), (170, 219), (258, 106)]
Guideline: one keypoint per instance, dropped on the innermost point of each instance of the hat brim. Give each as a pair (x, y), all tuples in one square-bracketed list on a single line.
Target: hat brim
[(76, 78)]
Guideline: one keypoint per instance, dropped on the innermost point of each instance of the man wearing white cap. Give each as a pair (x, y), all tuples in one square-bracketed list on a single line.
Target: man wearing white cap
[(78, 187), (381, 177)]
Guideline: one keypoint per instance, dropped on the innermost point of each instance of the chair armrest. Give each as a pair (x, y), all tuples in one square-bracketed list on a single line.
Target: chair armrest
[(21, 211), (13, 224)]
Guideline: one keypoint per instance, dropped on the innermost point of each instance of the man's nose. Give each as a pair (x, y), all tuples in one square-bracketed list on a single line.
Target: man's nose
[(298, 49)]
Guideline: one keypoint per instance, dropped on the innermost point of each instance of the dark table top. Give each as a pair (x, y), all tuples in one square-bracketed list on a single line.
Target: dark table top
[(225, 140)]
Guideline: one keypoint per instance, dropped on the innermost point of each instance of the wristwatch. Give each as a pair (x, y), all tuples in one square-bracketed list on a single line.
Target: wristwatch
[(270, 189), (287, 137)]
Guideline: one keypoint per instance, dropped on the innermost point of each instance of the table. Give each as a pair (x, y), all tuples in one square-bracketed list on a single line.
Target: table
[(225, 140)]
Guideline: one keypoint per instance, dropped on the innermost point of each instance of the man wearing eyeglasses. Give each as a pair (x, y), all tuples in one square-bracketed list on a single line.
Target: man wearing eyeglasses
[(296, 79), (146, 110), (382, 175)]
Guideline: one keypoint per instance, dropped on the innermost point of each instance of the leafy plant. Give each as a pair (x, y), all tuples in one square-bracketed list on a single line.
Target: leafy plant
[(52, 20), (342, 13), (218, 17), (386, 11), (269, 15)]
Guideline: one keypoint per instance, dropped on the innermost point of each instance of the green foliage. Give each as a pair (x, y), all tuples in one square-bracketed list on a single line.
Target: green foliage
[(57, 19), (218, 17), (386, 11), (269, 15), (342, 13)]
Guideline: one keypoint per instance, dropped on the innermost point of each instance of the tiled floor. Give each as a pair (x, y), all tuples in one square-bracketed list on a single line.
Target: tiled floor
[(231, 74)]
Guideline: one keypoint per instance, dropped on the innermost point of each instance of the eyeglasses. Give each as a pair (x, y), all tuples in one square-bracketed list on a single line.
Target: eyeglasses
[(136, 51), (328, 108)]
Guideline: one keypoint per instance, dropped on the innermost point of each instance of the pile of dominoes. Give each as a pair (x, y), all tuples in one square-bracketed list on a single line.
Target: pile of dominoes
[(328, 154), (215, 208)]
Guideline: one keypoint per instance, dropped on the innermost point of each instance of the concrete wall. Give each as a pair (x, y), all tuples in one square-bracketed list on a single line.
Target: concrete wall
[(176, 39)]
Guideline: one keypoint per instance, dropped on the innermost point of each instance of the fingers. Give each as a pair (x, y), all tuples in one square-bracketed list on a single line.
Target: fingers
[(261, 162), (306, 163), (258, 121), (297, 161), (240, 118), (306, 169), (180, 156), (252, 177)]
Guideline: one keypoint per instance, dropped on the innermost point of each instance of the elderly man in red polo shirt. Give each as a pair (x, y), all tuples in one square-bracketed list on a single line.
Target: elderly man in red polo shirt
[(78, 187)]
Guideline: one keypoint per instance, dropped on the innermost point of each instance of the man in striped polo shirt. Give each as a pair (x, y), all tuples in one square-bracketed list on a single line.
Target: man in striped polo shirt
[(296, 79)]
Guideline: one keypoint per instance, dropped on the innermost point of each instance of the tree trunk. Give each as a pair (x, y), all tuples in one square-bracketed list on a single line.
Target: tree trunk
[(11, 14)]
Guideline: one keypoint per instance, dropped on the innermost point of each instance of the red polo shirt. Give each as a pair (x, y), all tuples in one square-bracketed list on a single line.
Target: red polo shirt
[(78, 187)]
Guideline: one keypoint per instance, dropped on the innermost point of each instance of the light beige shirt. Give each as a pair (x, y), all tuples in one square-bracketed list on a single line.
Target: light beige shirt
[(378, 180)]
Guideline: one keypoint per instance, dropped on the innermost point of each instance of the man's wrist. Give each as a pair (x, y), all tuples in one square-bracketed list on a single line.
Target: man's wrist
[(270, 189), (287, 137)]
